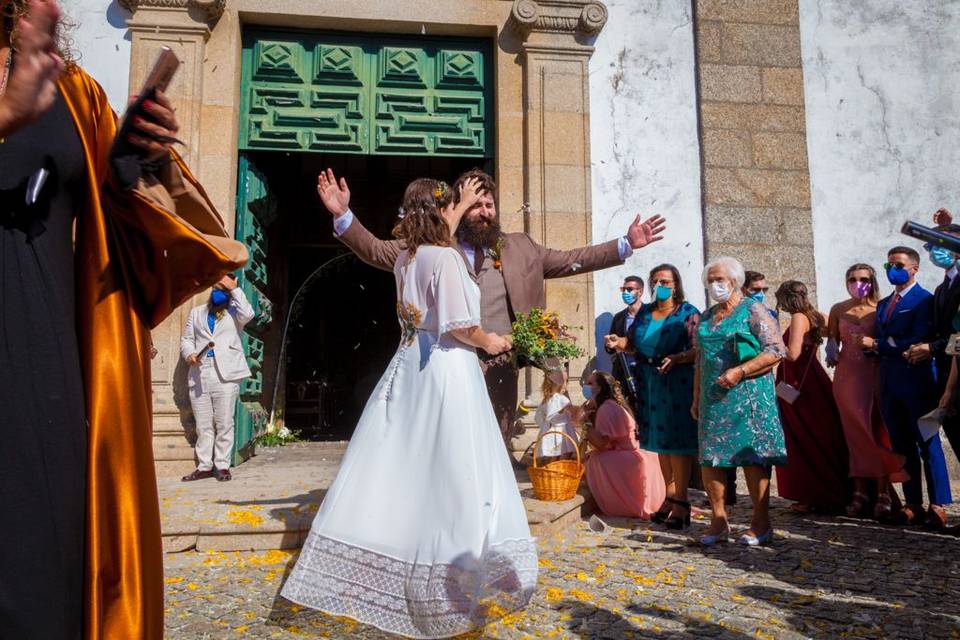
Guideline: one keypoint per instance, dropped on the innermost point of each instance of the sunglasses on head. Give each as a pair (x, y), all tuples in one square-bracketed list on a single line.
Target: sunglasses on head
[(864, 280)]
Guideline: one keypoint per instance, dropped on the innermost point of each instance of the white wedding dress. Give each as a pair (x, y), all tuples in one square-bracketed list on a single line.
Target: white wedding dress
[(423, 528)]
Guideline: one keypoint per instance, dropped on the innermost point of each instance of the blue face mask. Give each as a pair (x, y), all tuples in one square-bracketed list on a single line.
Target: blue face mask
[(898, 276), (219, 298), (759, 296), (942, 257), (629, 297), (587, 392), (663, 293)]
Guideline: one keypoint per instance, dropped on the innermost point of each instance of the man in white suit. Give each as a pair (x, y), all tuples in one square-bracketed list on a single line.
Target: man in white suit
[(211, 346)]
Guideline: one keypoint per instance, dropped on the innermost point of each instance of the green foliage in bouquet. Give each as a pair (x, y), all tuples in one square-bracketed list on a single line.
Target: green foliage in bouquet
[(540, 340)]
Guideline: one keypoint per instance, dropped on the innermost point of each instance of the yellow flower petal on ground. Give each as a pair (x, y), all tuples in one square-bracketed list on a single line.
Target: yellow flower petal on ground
[(546, 564), (242, 628), (554, 594), (192, 587), (174, 580), (244, 516)]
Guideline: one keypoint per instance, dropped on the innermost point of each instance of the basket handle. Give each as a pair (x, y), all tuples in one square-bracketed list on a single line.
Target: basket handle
[(536, 444)]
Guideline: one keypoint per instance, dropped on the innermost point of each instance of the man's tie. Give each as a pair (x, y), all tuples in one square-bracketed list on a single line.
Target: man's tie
[(893, 305), (477, 259)]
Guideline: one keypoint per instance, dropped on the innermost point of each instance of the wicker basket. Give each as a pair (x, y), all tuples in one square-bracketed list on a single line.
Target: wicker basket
[(557, 480)]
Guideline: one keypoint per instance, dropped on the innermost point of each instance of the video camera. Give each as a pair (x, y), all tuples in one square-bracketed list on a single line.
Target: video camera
[(932, 236)]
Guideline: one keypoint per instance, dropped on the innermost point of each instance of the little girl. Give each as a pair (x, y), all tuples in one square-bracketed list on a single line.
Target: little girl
[(554, 416)]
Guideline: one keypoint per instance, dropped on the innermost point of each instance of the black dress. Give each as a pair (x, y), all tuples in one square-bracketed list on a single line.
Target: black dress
[(42, 422)]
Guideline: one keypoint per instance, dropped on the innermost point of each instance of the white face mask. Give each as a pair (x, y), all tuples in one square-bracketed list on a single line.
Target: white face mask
[(719, 291)]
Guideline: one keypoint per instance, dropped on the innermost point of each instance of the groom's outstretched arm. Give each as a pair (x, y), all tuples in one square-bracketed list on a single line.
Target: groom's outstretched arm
[(559, 264), (378, 253)]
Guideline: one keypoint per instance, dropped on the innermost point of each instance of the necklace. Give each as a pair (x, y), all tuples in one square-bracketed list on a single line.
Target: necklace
[(6, 76)]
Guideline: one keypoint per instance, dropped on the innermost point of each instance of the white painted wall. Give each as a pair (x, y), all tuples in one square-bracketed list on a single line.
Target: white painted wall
[(102, 41), (882, 83), (644, 144)]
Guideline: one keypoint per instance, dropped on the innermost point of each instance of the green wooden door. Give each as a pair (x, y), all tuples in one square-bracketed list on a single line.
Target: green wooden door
[(344, 94), (366, 95), (256, 209)]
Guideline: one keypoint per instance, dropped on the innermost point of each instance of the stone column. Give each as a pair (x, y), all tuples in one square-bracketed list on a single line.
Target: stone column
[(756, 184), (557, 38), (184, 26)]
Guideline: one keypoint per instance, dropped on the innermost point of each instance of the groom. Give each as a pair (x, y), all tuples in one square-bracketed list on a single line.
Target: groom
[(510, 268)]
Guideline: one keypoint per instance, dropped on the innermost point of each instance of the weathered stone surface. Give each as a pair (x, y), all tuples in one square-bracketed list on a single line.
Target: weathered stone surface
[(783, 86), (754, 117), (709, 48), (727, 148), (780, 150), (760, 44), (761, 11), (757, 187), (756, 225), (728, 83)]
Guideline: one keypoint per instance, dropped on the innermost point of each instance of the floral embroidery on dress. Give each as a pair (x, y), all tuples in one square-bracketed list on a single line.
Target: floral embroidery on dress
[(410, 318)]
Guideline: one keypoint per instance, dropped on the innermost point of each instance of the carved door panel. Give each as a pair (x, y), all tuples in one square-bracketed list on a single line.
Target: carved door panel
[(256, 209), (366, 95)]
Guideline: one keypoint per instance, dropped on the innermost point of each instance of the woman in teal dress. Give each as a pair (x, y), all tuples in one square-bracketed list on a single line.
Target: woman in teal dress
[(662, 338), (738, 344)]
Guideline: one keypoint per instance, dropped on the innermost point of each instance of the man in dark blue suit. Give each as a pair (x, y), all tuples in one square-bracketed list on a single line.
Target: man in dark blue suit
[(908, 391)]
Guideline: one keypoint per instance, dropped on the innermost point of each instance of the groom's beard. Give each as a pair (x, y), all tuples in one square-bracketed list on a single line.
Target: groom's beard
[(479, 233)]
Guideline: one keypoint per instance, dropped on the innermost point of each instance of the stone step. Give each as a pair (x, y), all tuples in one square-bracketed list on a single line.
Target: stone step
[(169, 424), (274, 498), (167, 447)]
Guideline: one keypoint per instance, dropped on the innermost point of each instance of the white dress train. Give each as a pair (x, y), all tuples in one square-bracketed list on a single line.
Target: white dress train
[(423, 532)]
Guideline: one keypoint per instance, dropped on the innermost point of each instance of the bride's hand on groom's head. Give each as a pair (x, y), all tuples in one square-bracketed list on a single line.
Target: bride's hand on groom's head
[(467, 197), (334, 194)]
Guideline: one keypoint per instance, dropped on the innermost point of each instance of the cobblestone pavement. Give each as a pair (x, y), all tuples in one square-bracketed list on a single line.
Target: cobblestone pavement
[(823, 577)]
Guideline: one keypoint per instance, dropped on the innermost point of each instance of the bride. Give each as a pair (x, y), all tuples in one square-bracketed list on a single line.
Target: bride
[(423, 532)]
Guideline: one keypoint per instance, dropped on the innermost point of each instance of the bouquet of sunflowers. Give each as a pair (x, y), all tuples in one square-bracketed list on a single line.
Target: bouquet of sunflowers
[(541, 341)]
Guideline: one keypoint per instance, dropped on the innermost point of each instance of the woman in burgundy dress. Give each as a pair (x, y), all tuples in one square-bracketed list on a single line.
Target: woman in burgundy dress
[(816, 474), (873, 463)]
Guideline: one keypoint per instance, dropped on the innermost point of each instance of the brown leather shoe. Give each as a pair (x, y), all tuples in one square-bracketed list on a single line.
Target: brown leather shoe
[(197, 474), (223, 475), (936, 519)]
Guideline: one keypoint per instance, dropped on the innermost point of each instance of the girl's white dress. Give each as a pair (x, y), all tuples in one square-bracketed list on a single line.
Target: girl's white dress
[(423, 528), (553, 420)]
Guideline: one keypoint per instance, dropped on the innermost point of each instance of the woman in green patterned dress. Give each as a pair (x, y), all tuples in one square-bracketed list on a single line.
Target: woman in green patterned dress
[(738, 344)]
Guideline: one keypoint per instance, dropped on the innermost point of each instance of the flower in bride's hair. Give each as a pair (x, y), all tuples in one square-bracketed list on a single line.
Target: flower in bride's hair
[(401, 213), (440, 190)]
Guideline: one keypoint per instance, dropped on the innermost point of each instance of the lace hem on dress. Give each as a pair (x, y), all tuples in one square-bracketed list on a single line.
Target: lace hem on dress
[(414, 600)]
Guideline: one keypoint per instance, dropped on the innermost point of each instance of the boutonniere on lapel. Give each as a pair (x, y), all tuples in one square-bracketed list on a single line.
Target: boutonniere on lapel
[(219, 314), (495, 253)]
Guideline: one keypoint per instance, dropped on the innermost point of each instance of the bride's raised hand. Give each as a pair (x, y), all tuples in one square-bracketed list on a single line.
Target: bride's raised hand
[(468, 196), (335, 195)]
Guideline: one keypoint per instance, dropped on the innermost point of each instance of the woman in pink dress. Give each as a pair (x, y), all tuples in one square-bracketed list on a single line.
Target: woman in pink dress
[(855, 389), (624, 479)]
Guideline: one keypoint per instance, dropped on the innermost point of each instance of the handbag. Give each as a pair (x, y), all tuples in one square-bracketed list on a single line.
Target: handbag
[(747, 346), (789, 393)]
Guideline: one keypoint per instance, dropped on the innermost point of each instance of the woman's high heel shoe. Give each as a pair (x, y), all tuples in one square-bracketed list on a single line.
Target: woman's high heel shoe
[(679, 523), (711, 539)]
